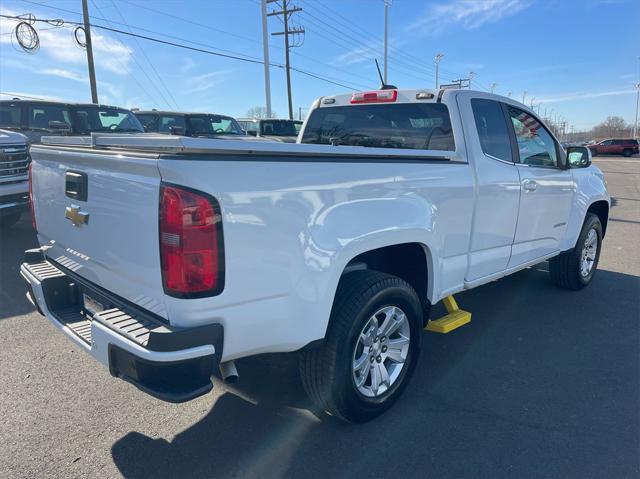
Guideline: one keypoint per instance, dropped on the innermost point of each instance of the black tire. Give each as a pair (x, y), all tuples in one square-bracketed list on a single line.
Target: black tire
[(565, 268), (8, 221), (626, 152), (326, 372)]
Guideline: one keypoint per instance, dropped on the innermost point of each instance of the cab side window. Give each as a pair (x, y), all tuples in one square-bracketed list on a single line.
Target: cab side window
[(40, 116), (492, 129), (535, 145), (149, 122), (167, 121)]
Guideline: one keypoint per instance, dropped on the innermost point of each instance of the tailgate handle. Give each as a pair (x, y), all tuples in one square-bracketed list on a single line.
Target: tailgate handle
[(76, 185)]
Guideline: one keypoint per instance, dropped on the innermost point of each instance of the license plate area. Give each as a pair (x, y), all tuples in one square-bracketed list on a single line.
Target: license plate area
[(91, 305)]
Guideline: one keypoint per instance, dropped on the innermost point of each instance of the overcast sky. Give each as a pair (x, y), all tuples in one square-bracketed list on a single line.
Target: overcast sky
[(579, 58)]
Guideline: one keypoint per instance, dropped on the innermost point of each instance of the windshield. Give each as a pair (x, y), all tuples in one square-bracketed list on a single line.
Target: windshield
[(93, 118), (203, 125), (405, 125), (278, 128)]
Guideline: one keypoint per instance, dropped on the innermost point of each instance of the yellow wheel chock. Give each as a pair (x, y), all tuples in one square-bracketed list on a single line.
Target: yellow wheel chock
[(455, 318)]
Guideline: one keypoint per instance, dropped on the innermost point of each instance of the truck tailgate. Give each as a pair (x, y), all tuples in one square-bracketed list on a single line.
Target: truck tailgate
[(98, 213)]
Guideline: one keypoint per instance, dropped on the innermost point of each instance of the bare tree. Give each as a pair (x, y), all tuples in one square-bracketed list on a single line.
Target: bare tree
[(613, 126), (259, 112)]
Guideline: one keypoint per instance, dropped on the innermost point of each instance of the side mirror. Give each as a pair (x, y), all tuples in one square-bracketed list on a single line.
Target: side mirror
[(176, 130), (578, 156), (60, 127)]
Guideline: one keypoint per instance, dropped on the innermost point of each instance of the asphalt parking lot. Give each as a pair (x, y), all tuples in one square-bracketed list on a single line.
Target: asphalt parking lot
[(542, 383)]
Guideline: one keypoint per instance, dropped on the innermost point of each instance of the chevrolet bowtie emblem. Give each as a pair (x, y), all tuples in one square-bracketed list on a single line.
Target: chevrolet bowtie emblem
[(77, 217)]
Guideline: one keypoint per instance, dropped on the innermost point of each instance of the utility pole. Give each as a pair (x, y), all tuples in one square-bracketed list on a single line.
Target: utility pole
[(438, 60), (87, 37), (493, 87), (524, 94), (472, 75), (265, 48), (635, 125), (286, 12), (386, 31)]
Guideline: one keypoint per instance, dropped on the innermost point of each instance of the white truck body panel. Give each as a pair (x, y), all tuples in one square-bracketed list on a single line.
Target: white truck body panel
[(294, 216)]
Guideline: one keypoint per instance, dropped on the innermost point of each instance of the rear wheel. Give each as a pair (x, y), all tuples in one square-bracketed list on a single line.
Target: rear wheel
[(8, 221), (575, 269), (626, 152), (370, 350)]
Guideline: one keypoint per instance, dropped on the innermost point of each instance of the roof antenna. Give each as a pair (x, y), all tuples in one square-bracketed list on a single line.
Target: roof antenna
[(383, 85)]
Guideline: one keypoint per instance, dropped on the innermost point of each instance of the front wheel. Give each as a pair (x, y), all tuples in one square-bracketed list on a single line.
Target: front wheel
[(575, 269), (370, 350)]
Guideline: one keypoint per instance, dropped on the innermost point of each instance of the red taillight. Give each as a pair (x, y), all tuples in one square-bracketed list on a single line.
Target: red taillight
[(380, 96), (32, 209), (191, 247)]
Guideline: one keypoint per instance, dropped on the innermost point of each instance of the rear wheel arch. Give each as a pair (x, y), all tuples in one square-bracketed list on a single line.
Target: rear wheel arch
[(411, 262)]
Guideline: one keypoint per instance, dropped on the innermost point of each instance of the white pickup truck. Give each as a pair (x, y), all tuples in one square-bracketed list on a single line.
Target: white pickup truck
[(165, 257)]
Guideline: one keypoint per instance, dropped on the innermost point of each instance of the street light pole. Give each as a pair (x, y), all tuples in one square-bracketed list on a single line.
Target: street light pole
[(635, 125), (493, 87), (472, 75), (438, 60), (265, 48), (524, 94)]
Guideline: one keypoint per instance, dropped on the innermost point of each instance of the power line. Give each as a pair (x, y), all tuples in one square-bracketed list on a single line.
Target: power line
[(136, 62), (247, 39), (203, 50), (144, 54)]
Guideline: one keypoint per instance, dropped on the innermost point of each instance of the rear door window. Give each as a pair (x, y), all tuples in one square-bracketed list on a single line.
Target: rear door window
[(10, 116), (167, 121), (39, 116), (535, 144), (492, 129), (149, 122), (425, 126)]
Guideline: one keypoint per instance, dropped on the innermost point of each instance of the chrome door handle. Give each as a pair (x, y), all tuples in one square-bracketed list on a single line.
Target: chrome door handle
[(529, 185)]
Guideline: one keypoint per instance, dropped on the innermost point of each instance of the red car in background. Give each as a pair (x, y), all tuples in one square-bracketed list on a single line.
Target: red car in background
[(615, 147)]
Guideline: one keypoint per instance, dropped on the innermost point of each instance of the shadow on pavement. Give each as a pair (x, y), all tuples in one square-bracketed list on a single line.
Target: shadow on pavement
[(13, 242), (539, 384)]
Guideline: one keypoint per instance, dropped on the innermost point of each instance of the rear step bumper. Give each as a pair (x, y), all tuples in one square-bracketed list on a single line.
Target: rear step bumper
[(171, 364)]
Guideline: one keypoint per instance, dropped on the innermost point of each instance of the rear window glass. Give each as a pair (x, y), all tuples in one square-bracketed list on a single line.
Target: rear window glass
[(10, 116), (277, 128), (404, 125)]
